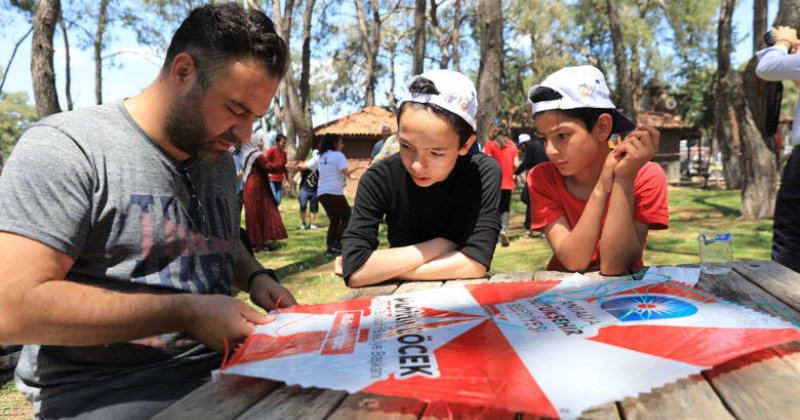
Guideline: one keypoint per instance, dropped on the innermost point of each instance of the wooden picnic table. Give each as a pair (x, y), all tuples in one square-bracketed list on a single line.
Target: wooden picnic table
[(764, 384)]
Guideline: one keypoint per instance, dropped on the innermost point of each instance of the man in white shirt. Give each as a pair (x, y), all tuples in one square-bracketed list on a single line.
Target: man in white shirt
[(780, 62)]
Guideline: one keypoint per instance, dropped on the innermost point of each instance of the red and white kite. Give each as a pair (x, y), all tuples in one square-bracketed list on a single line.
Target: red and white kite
[(552, 348)]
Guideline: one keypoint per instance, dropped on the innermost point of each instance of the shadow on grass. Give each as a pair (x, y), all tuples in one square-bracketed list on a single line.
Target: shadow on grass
[(724, 210), (303, 265)]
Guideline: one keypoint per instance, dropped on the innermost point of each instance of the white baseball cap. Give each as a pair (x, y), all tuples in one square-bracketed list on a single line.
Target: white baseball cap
[(580, 87), (524, 138), (456, 94)]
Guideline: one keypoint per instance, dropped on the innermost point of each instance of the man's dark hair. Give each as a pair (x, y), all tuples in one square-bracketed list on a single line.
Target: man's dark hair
[(328, 143), (215, 34), (423, 85), (279, 137), (588, 116)]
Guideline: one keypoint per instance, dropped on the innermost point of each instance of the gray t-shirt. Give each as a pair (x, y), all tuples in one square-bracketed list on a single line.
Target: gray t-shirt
[(91, 184)]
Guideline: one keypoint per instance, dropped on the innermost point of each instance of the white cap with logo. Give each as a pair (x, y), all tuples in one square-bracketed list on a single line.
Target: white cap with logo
[(579, 87), (456, 94)]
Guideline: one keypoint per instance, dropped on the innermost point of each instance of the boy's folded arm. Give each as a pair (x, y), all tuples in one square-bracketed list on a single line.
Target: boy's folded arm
[(452, 265), (575, 246), (385, 264), (622, 240)]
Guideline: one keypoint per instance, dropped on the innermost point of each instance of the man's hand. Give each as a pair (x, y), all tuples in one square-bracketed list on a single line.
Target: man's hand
[(265, 292), (637, 149), (215, 319), (786, 33)]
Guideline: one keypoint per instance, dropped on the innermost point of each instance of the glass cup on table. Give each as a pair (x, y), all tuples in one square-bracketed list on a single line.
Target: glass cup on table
[(716, 252)]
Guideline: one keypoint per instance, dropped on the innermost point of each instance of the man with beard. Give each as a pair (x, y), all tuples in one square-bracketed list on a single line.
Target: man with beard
[(119, 230)]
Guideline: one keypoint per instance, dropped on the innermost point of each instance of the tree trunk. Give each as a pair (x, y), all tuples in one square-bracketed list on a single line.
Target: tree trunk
[(418, 64), (759, 163), (293, 114), (490, 71), (98, 51), (42, 73), (456, 38), (392, 75), (624, 82), (370, 42), (788, 13), (759, 23), (726, 125), (67, 69), (307, 136)]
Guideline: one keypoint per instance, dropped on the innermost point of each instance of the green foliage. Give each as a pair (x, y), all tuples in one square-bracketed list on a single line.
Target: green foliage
[(15, 116), (790, 96)]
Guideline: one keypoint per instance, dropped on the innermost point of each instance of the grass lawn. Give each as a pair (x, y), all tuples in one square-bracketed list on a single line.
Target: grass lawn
[(301, 263)]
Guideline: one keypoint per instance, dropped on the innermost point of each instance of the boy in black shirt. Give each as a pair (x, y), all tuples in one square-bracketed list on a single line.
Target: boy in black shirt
[(439, 203)]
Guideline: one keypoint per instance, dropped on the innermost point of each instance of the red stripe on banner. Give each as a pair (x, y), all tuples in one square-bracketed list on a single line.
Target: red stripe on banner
[(701, 346), (493, 293), (478, 368), (342, 336), (362, 305), (363, 335)]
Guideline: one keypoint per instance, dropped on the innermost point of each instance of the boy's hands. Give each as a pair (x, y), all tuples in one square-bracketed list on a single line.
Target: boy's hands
[(637, 149)]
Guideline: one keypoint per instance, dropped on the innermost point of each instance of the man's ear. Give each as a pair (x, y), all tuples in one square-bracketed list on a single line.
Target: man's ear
[(463, 151), (603, 126), (183, 73)]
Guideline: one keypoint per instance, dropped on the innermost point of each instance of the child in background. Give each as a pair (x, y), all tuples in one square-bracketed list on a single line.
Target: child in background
[(504, 151), (439, 204), (594, 204)]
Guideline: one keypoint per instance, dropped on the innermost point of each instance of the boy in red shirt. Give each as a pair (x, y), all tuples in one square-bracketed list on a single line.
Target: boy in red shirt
[(594, 204)]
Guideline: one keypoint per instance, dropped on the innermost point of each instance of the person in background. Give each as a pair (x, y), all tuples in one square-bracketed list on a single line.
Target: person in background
[(262, 217), (386, 131), (308, 180), (504, 151), (782, 62), (390, 147), (595, 205), (128, 305), (439, 203), (333, 173), (534, 155), (276, 156)]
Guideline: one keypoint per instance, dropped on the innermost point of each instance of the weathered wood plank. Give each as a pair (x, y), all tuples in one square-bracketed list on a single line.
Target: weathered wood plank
[(443, 410), (465, 282), (607, 411), (296, 403), (760, 384), (365, 406), (692, 397), (371, 291), (414, 286), (223, 398), (550, 275), (778, 280), (505, 277), (736, 288)]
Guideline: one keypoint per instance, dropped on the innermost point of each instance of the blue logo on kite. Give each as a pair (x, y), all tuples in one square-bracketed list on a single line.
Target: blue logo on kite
[(644, 308)]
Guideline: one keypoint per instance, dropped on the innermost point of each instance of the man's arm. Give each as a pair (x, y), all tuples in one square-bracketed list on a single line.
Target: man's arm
[(265, 291), (38, 306)]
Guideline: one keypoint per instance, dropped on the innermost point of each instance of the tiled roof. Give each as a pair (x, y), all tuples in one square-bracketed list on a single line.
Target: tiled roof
[(365, 122), (661, 120)]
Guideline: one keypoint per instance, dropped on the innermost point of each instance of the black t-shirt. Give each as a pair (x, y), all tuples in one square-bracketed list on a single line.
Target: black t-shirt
[(309, 179), (462, 208)]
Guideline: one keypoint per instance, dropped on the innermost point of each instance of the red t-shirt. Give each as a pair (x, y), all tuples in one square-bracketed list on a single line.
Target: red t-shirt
[(505, 157), (550, 200), (277, 158)]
